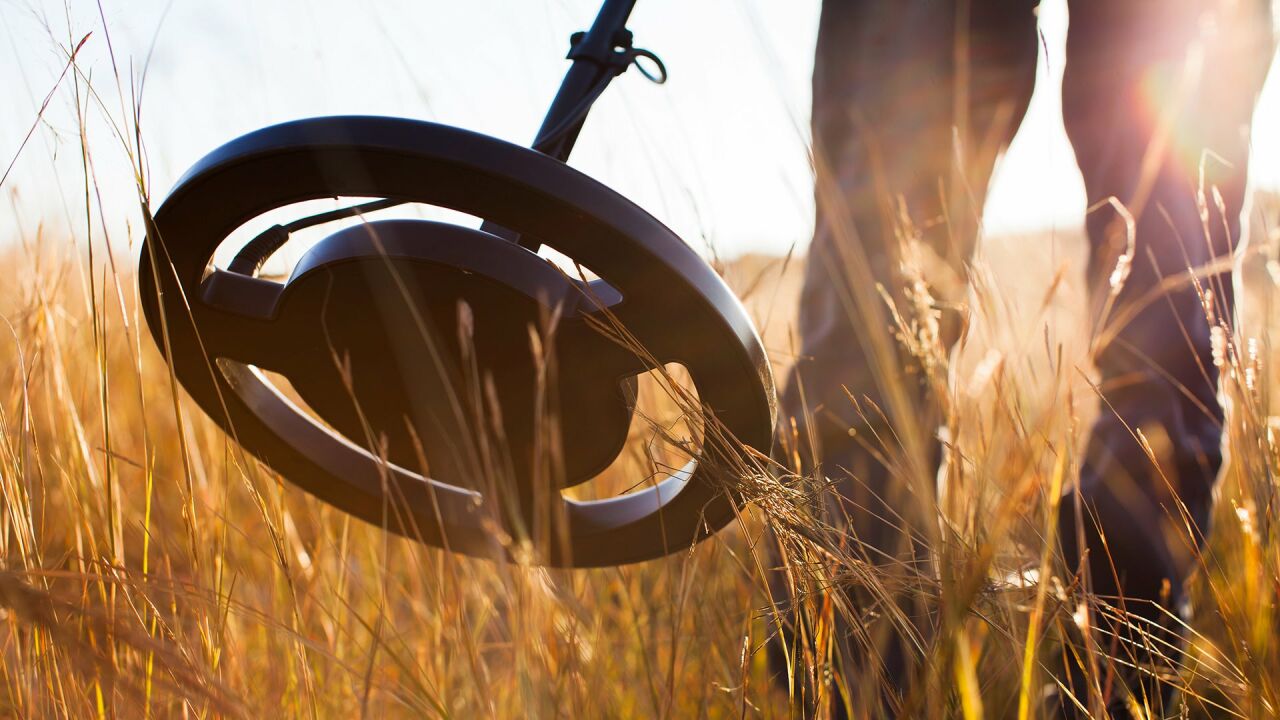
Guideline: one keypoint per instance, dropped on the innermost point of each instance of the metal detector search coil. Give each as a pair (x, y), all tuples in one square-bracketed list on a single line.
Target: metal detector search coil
[(394, 332)]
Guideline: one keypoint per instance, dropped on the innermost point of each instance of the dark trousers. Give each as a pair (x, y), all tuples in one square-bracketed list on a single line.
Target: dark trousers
[(913, 100)]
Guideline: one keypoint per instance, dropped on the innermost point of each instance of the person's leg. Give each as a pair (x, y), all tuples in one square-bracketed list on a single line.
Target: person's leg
[(896, 83), (1158, 96)]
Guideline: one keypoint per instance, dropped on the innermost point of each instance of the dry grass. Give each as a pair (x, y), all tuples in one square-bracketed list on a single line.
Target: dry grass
[(133, 587)]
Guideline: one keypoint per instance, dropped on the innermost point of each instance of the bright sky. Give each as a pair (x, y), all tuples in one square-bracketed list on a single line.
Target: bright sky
[(718, 153)]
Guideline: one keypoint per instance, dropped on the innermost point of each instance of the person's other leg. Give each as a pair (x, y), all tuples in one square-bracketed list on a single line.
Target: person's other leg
[(1158, 97), (896, 83)]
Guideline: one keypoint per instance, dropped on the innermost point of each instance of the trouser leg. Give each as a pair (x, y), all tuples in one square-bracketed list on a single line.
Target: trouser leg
[(1158, 96), (886, 109), (912, 102)]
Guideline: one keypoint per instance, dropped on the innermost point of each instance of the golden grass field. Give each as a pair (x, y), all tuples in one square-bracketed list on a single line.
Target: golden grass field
[(151, 569)]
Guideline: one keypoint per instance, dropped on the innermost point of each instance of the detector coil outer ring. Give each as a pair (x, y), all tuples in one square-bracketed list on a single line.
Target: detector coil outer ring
[(674, 304)]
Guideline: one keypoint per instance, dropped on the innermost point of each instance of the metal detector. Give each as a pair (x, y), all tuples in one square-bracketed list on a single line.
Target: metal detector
[(446, 382)]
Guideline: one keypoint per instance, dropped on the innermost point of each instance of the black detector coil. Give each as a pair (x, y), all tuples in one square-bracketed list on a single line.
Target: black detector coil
[(415, 343)]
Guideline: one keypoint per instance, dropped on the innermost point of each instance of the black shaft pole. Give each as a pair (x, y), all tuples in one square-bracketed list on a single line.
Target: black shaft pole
[(584, 76), (588, 74)]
